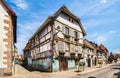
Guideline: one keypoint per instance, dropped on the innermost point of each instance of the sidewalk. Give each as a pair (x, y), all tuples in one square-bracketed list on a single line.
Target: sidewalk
[(87, 69), (72, 73), (92, 69)]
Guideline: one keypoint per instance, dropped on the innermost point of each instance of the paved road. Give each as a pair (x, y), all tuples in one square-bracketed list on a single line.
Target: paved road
[(107, 72), (104, 72)]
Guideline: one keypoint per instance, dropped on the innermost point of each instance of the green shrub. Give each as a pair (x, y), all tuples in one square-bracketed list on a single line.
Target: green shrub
[(80, 63), (100, 62)]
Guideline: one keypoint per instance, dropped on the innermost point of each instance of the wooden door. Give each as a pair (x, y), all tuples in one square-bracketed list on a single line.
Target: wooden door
[(63, 64)]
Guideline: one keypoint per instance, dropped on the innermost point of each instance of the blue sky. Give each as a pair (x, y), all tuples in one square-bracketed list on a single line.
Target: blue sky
[(100, 18)]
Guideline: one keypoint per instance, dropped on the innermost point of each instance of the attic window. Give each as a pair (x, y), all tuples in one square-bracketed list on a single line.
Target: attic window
[(71, 20)]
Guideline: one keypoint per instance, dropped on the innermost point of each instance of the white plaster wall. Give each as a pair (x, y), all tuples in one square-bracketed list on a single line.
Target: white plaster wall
[(63, 19), (45, 47), (48, 36), (60, 33), (2, 35)]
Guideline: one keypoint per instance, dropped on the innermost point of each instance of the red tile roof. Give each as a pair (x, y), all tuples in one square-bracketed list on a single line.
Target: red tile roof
[(9, 9), (27, 47)]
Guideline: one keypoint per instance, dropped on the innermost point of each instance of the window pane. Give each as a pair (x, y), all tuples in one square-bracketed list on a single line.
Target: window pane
[(75, 34), (66, 31)]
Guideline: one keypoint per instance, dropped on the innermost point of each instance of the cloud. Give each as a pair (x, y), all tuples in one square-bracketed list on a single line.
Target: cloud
[(115, 50), (99, 37), (25, 32), (22, 4), (91, 8), (103, 1), (94, 34), (112, 32)]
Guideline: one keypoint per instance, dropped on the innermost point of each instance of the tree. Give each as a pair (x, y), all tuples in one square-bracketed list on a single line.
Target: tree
[(111, 57)]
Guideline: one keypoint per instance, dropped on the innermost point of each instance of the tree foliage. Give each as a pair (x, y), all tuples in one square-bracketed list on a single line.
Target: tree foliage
[(111, 57)]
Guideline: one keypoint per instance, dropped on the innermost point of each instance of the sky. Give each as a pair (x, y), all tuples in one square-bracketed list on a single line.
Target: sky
[(100, 19)]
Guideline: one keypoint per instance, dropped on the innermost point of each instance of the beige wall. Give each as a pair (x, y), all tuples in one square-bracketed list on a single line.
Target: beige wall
[(3, 35), (5, 40)]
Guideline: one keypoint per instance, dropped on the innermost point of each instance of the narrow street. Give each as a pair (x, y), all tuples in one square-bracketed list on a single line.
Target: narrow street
[(103, 72)]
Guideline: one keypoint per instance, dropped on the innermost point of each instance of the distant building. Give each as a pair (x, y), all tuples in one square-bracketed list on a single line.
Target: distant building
[(20, 57), (57, 44), (89, 54), (117, 55), (104, 52), (7, 37)]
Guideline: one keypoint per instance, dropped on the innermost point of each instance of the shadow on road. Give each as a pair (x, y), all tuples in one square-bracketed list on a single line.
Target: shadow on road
[(78, 71), (116, 68), (29, 68), (91, 77), (115, 65), (117, 74)]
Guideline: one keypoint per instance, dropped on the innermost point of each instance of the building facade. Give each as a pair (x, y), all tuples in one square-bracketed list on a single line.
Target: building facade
[(89, 54), (102, 53), (7, 37), (57, 44)]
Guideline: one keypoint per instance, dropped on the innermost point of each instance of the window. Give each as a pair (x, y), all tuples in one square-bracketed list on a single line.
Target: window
[(66, 31), (66, 47), (69, 19), (32, 43), (75, 34), (72, 21), (36, 38)]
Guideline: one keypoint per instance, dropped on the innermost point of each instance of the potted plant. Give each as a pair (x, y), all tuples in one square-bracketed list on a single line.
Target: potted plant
[(80, 64), (100, 63)]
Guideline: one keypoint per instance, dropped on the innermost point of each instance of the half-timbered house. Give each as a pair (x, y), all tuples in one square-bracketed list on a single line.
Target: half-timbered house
[(89, 54), (57, 44)]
